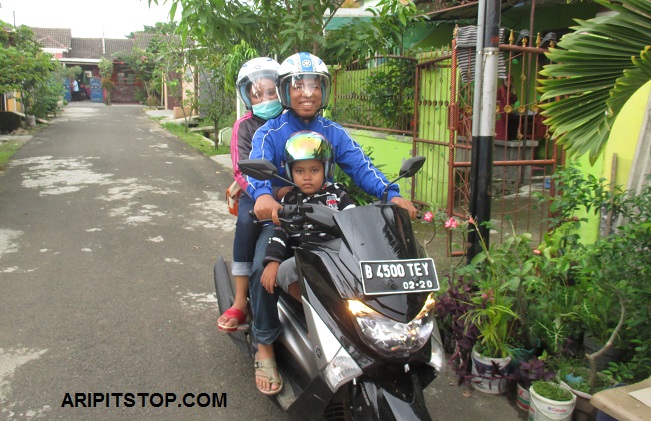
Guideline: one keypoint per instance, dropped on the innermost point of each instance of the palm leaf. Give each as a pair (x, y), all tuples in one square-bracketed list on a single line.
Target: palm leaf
[(595, 70)]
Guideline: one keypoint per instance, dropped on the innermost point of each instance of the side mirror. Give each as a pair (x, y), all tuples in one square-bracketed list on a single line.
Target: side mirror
[(411, 166), (260, 169)]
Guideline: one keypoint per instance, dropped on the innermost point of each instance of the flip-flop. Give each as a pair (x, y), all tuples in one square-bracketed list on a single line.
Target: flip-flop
[(268, 370), (234, 313)]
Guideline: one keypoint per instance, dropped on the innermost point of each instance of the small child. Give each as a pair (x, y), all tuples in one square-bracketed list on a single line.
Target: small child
[(309, 164)]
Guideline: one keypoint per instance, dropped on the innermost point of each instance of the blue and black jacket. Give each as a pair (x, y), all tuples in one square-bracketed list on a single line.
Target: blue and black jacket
[(269, 143)]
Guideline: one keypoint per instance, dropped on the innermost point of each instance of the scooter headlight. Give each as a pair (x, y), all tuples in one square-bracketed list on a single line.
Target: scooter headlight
[(391, 338)]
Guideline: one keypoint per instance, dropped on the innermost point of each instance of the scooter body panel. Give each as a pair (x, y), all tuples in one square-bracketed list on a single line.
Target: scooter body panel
[(388, 385)]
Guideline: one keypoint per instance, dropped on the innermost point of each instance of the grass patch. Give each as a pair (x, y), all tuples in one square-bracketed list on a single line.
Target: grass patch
[(7, 149), (195, 140)]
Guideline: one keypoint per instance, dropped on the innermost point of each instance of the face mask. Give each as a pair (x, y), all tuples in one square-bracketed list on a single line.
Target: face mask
[(268, 110)]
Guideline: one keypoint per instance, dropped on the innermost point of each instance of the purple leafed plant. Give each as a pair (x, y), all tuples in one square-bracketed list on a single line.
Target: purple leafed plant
[(450, 306)]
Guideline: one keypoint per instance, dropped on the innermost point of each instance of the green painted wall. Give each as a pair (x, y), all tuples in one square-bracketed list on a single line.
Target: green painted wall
[(622, 141), (625, 135), (390, 151)]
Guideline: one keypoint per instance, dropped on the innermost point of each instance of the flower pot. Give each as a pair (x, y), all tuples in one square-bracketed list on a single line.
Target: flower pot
[(485, 379), (544, 409), (523, 398), (584, 410)]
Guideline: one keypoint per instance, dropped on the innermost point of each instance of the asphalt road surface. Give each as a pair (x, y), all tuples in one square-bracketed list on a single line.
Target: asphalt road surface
[(109, 228)]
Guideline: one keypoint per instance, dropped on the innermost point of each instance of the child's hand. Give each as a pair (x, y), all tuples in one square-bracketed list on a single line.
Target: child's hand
[(268, 278)]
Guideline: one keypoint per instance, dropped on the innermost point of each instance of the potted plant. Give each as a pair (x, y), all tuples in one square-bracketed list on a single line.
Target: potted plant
[(526, 373), (481, 308), (551, 400), (606, 284), (491, 354), (499, 273)]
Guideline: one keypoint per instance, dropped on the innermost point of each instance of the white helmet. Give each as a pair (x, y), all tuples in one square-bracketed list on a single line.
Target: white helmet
[(252, 71), (299, 66)]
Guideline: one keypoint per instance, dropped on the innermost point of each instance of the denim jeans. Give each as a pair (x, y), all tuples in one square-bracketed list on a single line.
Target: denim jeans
[(266, 324), (246, 235)]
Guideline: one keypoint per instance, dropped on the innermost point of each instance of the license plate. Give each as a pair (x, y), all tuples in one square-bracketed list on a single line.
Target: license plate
[(398, 276)]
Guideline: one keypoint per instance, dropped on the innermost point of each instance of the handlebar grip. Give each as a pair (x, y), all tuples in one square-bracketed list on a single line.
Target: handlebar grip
[(256, 220)]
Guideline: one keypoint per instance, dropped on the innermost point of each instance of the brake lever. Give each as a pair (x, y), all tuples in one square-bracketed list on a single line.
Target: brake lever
[(256, 220)]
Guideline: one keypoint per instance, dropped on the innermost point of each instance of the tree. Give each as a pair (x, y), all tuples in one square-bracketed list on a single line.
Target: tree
[(165, 28), (382, 35), (215, 99), (106, 72), (273, 28), (283, 28), (145, 64), (24, 65), (595, 71)]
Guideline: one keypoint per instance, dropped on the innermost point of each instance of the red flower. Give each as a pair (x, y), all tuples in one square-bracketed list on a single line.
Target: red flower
[(451, 223)]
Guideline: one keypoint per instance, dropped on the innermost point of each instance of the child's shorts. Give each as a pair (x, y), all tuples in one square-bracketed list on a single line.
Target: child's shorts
[(287, 273)]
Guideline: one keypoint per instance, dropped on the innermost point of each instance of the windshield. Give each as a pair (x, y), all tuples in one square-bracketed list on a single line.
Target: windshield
[(377, 233)]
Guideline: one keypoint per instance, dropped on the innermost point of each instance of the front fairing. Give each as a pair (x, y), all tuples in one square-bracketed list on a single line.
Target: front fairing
[(375, 232)]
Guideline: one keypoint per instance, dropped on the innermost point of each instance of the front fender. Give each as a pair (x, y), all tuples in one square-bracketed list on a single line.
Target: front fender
[(399, 400)]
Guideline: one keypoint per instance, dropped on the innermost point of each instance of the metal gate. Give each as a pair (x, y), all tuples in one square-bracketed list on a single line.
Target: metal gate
[(525, 155)]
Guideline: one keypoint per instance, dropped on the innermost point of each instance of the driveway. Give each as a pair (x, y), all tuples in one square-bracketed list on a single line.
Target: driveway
[(109, 227)]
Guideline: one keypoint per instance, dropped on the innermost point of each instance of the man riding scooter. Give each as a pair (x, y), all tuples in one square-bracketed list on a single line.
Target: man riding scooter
[(303, 85)]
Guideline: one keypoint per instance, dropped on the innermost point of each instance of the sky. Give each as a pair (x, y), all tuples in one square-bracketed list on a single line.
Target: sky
[(86, 18)]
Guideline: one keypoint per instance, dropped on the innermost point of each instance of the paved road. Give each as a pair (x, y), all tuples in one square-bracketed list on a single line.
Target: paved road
[(109, 227)]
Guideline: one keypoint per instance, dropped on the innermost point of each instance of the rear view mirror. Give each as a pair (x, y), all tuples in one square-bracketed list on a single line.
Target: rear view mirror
[(411, 166), (260, 169)]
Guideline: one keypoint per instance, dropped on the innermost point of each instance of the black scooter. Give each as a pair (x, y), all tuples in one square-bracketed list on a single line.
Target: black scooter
[(363, 344)]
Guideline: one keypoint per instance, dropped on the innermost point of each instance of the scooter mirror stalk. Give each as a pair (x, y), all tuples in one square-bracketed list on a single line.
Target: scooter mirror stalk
[(261, 169), (409, 168)]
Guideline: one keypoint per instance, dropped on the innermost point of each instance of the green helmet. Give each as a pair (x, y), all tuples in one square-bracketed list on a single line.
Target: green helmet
[(305, 145)]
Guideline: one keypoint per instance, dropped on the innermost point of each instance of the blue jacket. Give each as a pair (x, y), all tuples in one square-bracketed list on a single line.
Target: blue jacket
[(269, 143)]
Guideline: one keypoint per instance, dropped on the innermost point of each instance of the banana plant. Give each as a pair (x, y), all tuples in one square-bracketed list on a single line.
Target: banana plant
[(595, 69)]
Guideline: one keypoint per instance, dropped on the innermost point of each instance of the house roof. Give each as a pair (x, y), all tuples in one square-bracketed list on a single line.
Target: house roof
[(142, 40), (56, 38), (96, 48), (88, 49)]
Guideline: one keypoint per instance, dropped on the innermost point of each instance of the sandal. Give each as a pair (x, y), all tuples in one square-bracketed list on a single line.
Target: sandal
[(233, 313), (268, 370)]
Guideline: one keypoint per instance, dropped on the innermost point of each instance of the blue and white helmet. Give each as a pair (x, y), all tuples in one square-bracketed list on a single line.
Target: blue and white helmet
[(252, 71), (297, 67)]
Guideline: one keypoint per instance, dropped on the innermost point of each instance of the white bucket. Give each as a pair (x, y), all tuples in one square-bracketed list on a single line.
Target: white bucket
[(543, 409), (495, 386), (523, 398)]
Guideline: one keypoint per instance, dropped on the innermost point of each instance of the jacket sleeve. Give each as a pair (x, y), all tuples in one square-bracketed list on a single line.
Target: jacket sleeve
[(240, 147), (261, 147), (354, 162), (278, 246)]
